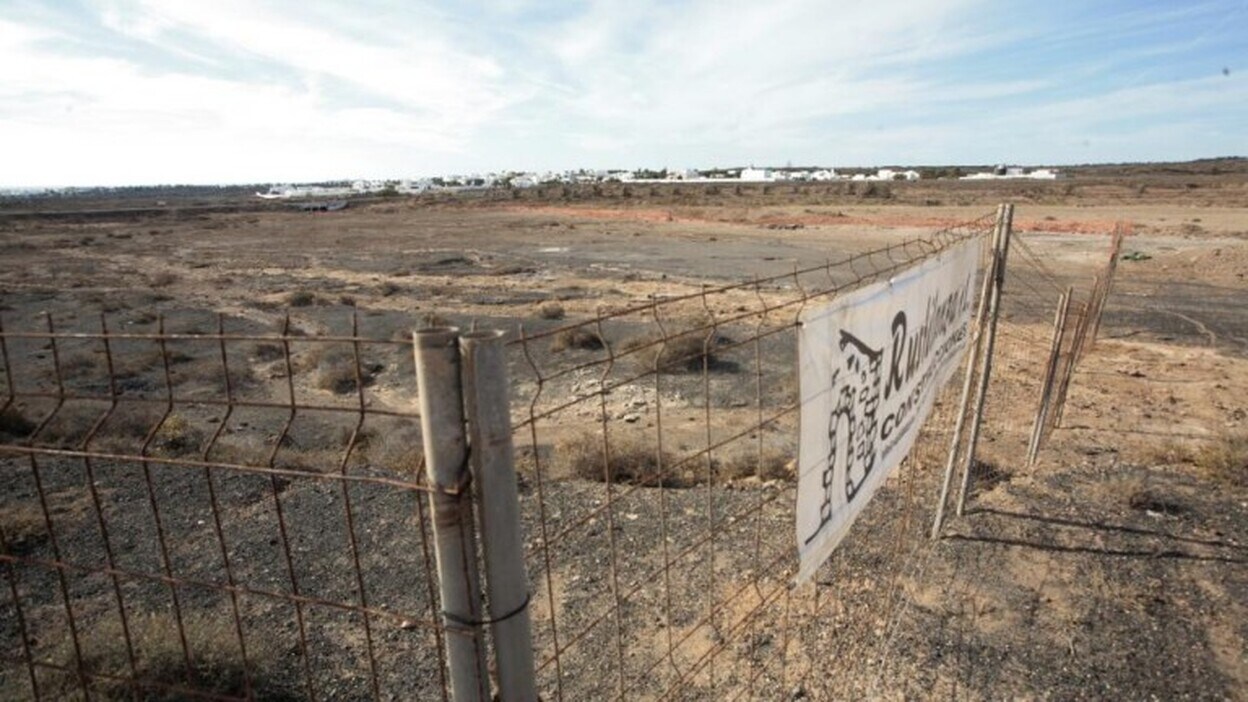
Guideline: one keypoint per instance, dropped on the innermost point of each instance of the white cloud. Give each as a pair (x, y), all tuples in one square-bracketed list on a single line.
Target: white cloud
[(260, 91)]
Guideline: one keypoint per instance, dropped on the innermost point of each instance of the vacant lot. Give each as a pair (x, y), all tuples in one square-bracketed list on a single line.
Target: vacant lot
[(1114, 568)]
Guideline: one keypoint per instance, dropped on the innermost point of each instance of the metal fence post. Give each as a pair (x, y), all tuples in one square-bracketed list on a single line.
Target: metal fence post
[(494, 474), (1004, 222), (1050, 374), (1076, 353), (972, 361), (446, 464), (1107, 282)]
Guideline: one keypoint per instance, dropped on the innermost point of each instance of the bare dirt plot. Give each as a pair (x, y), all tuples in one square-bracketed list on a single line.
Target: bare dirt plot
[(1118, 554)]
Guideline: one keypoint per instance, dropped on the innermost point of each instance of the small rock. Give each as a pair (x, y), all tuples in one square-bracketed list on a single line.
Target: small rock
[(631, 418)]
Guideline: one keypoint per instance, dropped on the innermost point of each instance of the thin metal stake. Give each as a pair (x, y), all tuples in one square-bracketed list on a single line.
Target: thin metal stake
[(972, 361), (994, 309)]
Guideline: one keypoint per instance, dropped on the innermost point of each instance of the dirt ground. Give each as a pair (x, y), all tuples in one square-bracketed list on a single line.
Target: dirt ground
[(1113, 568)]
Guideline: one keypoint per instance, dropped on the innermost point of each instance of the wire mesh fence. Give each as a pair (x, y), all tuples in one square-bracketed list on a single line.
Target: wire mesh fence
[(658, 444), (213, 511), (208, 508)]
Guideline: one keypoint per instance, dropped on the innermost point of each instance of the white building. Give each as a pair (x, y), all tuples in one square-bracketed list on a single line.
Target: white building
[(756, 175)]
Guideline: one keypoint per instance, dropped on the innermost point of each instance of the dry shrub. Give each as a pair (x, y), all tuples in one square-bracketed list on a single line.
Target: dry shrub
[(301, 298), (1225, 458), (177, 436), (78, 363), (686, 348), (266, 352), (633, 460), (745, 461), (388, 288), (69, 426), (162, 280), (336, 372), (24, 527), (551, 310), (1147, 500), (125, 430), (577, 338), (14, 424), (160, 662), (398, 451), (433, 320)]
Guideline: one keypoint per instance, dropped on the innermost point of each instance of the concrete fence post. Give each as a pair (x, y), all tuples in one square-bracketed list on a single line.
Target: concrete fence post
[(494, 475), (454, 532)]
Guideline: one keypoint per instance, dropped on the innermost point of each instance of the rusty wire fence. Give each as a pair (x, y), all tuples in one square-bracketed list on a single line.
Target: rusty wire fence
[(658, 445), (203, 509), (206, 508), (1047, 324)]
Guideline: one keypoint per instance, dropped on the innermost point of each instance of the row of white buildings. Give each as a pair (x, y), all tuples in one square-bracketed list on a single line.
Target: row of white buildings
[(1014, 172), (529, 179)]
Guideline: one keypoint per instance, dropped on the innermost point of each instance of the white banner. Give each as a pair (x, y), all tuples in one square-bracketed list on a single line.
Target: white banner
[(872, 363)]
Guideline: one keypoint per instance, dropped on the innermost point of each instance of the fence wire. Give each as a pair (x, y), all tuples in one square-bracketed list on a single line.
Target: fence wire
[(1045, 328), (214, 510), (658, 447), (201, 509)]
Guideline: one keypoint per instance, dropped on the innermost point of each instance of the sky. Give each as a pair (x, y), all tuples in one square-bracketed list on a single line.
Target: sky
[(127, 92)]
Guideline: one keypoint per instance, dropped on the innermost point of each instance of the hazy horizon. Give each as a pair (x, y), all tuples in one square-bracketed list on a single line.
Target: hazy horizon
[(258, 183)]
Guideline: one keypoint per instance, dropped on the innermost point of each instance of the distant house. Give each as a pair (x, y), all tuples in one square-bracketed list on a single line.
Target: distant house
[(910, 175), (1008, 172), (824, 174), (756, 175)]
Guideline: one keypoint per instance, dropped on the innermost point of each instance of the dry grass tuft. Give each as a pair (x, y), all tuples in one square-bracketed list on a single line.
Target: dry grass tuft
[(551, 310), (265, 352), (24, 527), (162, 280), (433, 320), (577, 338), (14, 424), (336, 372), (743, 461), (160, 666), (1225, 459), (177, 436), (633, 461), (687, 347), (301, 298), (1146, 500)]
